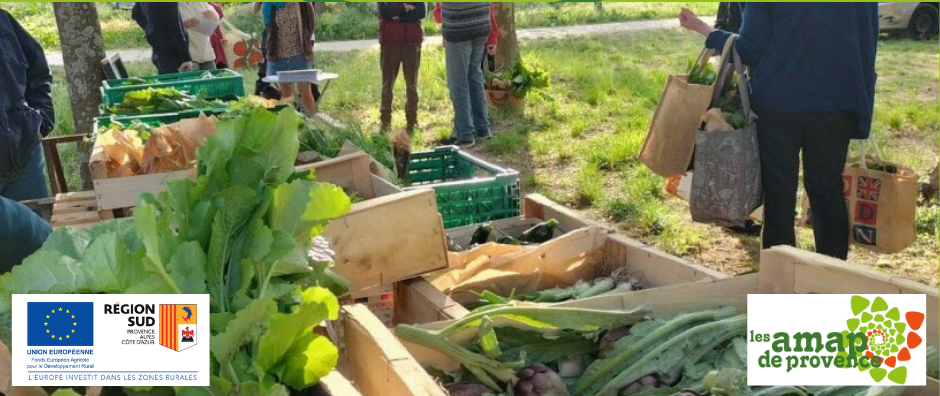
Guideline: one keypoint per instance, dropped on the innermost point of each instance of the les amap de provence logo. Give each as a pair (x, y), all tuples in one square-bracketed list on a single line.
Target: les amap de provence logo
[(878, 340)]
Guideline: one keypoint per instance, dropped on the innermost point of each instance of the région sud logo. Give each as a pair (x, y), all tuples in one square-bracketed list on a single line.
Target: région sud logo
[(836, 340)]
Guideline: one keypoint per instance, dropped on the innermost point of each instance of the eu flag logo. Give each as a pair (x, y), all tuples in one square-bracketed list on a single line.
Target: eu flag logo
[(60, 324)]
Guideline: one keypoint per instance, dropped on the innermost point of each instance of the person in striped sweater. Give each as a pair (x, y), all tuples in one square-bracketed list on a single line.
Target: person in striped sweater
[(468, 30)]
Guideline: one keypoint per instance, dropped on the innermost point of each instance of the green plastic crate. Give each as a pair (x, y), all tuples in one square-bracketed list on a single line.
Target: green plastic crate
[(227, 84), (154, 119), (468, 189)]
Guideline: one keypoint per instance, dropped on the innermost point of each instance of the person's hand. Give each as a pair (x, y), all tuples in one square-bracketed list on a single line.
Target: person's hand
[(209, 14), (187, 66), (191, 23), (395, 18), (491, 49), (409, 7), (688, 20)]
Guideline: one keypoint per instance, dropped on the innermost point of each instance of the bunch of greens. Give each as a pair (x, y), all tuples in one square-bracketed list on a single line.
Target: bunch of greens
[(522, 78), (241, 233), (729, 101), (160, 101), (703, 74), (134, 81)]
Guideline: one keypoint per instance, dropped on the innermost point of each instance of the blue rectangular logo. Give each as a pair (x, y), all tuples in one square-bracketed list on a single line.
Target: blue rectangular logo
[(60, 324)]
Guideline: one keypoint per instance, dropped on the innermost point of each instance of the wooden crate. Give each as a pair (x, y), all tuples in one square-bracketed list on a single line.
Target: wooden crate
[(77, 210), (419, 301), (372, 363), (388, 239), (783, 270)]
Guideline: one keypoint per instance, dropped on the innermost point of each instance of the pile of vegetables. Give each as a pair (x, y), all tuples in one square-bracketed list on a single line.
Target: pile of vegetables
[(241, 232), (522, 78), (160, 101), (135, 81), (535, 350), (539, 233), (619, 281), (139, 149)]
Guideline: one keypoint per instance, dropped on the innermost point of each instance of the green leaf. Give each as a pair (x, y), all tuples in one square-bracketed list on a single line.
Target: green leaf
[(188, 268), (303, 208), (152, 232), (312, 358), (235, 206), (247, 324), (489, 343), (285, 330)]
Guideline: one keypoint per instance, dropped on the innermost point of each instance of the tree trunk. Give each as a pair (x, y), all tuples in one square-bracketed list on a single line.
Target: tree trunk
[(82, 52), (507, 50)]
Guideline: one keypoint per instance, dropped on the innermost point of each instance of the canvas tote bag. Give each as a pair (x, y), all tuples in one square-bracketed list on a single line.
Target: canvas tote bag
[(670, 142), (881, 205), (726, 188), (241, 49)]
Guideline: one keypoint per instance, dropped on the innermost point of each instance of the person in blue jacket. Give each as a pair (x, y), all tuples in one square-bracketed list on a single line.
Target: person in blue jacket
[(813, 89), (26, 116)]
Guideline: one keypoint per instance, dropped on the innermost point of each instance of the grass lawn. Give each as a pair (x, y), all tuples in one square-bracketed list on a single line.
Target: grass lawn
[(577, 145), (343, 21)]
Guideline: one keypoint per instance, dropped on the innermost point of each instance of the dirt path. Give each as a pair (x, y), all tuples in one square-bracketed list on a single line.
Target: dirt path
[(142, 54)]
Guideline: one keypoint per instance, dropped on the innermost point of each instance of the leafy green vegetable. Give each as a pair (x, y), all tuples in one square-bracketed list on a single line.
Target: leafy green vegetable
[(701, 74), (160, 101), (238, 231)]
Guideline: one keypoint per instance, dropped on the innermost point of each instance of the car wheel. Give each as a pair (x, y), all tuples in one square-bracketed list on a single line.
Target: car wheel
[(925, 22)]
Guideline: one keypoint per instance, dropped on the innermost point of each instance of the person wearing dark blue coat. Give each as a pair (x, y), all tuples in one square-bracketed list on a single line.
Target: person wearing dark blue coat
[(813, 89), (26, 115)]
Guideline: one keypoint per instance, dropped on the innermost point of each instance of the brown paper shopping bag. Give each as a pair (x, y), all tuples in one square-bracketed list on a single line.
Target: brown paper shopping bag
[(881, 199), (670, 142)]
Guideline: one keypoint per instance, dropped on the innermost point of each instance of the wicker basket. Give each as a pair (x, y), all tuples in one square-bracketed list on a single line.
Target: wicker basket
[(504, 98)]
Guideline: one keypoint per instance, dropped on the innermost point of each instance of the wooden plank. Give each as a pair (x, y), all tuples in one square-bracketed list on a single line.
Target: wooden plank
[(377, 362), (656, 267), (124, 192), (389, 239), (418, 301), (786, 269), (383, 187), (98, 163), (335, 384), (540, 207), (350, 172)]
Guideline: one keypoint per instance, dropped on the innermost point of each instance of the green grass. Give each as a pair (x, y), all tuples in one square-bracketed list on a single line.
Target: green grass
[(577, 145), (343, 21)]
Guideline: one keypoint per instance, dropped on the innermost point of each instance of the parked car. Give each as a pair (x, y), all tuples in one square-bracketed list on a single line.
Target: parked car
[(918, 20)]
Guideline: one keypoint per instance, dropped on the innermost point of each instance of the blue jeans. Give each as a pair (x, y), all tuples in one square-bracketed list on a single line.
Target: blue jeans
[(29, 182), (464, 61), (22, 232)]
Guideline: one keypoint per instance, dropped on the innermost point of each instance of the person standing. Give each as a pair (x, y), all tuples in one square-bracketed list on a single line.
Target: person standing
[(201, 21), (26, 116), (289, 45), (221, 61), (467, 28), (166, 34), (400, 37), (813, 87)]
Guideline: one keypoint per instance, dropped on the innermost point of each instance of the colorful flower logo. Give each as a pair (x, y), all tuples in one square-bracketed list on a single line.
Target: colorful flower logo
[(888, 336)]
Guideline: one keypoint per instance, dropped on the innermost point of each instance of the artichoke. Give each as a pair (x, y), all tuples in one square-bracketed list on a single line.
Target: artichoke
[(539, 380)]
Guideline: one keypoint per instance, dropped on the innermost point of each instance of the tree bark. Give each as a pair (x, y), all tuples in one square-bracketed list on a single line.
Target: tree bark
[(82, 52), (507, 49)]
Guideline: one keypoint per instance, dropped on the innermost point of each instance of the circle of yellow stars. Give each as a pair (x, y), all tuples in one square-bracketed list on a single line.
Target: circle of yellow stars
[(73, 324)]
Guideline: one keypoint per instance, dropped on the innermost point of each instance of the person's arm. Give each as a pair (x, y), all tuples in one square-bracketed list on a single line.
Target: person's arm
[(167, 17), (38, 78), (494, 28), (415, 15), (389, 10), (752, 40), (438, 16)]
